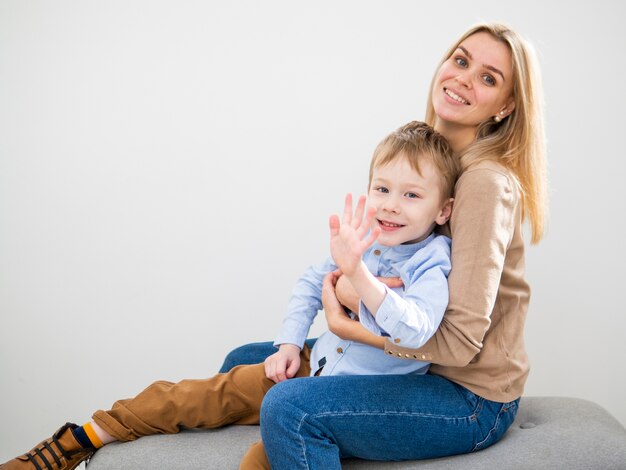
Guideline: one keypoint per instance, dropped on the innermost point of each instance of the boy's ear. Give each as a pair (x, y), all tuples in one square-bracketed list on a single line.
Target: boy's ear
[(445, 212)]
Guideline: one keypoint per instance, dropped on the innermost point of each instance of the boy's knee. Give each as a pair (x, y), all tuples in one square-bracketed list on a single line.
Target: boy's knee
[(232, 359), (252, 353)]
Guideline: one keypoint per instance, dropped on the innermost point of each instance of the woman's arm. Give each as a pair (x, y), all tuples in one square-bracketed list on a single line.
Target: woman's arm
[(410, 319), (412, 316), (482, 225), (341, 324)]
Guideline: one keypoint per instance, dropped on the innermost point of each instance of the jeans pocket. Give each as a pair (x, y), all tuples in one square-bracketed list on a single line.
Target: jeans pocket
[(495, 418)]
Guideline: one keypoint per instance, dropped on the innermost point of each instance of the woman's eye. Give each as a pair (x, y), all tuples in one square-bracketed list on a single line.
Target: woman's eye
[(489, 80), (382, 190), (461, 61)]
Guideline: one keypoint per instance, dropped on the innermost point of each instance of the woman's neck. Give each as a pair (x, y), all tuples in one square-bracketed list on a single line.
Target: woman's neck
[(458, 136)]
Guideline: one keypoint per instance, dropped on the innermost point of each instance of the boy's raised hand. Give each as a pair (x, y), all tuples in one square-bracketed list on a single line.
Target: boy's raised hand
[(349, 238)]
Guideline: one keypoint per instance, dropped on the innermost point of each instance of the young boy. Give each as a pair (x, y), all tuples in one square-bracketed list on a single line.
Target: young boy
[(412, 176)]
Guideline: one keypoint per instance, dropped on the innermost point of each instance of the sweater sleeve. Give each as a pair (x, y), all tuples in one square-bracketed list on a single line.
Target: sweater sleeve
[(482, 226)]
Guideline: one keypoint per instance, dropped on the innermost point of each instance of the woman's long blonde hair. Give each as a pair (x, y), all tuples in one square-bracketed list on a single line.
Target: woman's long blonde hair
[(518, 141)]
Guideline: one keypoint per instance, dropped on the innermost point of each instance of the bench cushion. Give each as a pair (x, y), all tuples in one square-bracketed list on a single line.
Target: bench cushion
[(549, 432)]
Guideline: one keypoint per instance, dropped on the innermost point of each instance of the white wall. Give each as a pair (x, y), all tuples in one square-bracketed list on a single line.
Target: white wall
[(167, 169)]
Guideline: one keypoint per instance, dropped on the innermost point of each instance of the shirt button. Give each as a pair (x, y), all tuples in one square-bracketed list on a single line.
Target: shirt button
[(377, 252), (397, 340), (340, 350)]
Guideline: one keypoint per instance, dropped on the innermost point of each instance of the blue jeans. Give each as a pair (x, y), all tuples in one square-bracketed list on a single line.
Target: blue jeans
[(313, 422)]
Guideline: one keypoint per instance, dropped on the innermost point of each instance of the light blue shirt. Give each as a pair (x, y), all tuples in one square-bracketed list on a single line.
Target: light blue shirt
[(409, 315)]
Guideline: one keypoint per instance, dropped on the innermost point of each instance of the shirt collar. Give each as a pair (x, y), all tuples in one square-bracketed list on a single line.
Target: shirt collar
[(403, 251)]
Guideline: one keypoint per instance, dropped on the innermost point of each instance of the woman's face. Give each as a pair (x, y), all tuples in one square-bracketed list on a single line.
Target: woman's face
[(475, 83)]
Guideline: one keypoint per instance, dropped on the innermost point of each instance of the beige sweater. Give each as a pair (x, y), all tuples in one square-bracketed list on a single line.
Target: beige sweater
[(480, 342)]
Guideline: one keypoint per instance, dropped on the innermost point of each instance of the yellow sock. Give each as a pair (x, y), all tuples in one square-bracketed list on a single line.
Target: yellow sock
[(93, 437)]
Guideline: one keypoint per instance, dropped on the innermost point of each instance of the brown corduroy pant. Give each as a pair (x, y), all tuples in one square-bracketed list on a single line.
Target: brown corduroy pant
[(166, 408)]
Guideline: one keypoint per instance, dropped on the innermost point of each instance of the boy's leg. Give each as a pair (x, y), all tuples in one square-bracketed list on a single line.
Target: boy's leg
[(166, 408), (163, 407), (253, 353), (255, 458), (59, 452)]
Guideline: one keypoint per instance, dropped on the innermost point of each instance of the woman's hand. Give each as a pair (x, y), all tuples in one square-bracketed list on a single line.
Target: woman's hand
[(348, 297), (337, 319), (341, 324), (284, 364)]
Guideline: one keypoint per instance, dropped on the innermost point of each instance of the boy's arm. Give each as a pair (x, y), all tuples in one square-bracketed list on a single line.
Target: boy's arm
[(304, 303), (411, 318), (348, 297), (303, 306)]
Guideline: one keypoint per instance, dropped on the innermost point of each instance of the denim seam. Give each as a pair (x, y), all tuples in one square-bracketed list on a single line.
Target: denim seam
[(371, 413), (302, 444), (494, 427), (385, 413)]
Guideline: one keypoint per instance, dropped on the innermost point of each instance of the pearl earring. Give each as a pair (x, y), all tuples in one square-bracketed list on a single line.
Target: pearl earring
[(498, 118)]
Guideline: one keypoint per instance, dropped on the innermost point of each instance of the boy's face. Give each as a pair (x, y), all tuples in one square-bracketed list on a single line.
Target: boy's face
[(408, 205)]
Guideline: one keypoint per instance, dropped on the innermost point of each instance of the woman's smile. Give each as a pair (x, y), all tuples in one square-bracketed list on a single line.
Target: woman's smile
[(458, 98)]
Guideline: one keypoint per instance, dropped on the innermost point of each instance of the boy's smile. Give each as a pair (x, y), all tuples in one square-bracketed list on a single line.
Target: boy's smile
[(408, 205), (387, 226)]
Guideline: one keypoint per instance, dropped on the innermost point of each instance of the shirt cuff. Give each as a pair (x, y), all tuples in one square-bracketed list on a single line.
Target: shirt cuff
[(390, 311), (367, 319), (292, 333)]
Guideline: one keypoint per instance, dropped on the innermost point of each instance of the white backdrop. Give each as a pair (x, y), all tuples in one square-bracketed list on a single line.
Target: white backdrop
[(167, 169)]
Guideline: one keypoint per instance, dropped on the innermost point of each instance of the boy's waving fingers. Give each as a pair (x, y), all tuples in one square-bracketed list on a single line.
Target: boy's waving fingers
[(333, 223), (366, 223), (358, 214), (347, 209), (371, 238)]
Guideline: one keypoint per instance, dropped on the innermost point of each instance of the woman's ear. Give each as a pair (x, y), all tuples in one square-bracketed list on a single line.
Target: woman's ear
[(508, 109), (445, 212)]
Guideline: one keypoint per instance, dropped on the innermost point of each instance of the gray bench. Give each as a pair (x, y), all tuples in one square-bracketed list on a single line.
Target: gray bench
[(549, 433)]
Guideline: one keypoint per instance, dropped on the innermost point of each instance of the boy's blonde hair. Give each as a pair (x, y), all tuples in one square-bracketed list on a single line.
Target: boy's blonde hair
[(518, 141), (417, 141)]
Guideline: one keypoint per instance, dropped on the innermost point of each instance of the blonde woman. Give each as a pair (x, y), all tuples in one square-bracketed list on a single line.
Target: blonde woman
[(485, 98)]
